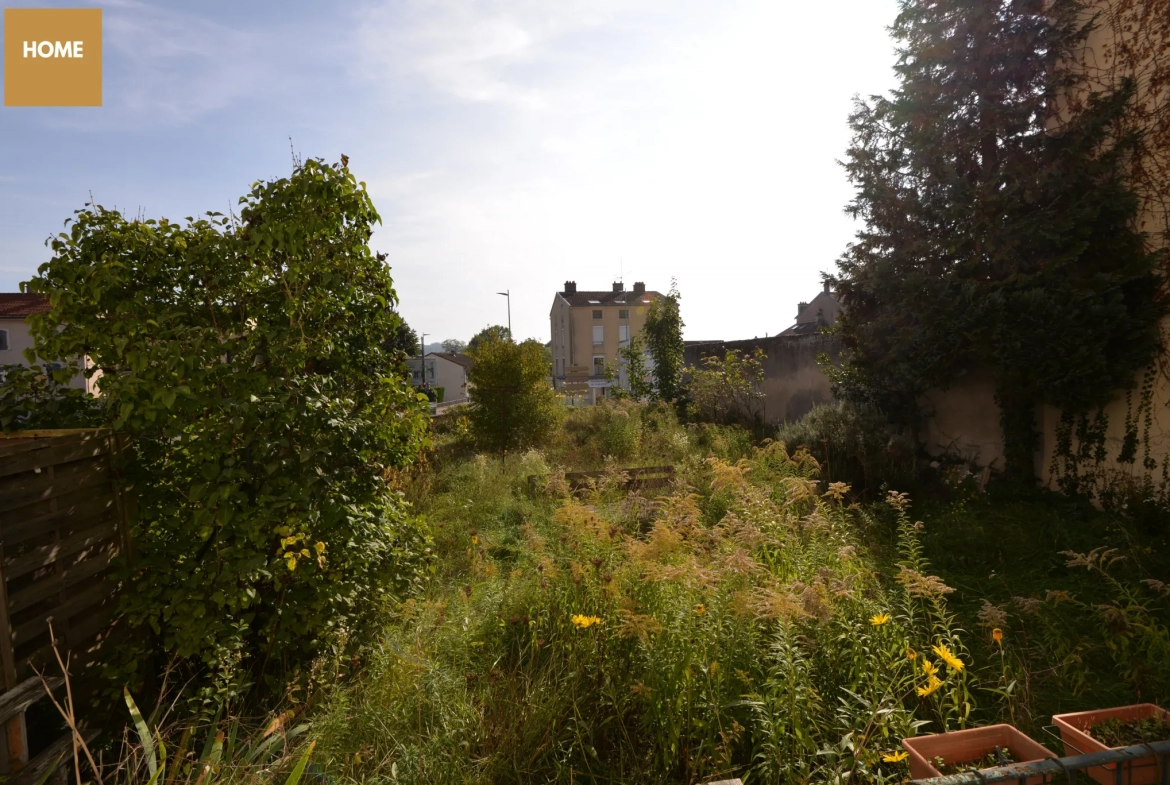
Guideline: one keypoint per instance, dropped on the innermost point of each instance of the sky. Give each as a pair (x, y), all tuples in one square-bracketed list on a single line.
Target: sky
[(507, 144)]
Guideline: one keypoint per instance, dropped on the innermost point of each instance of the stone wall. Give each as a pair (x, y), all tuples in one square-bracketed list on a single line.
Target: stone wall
[(793, 382)]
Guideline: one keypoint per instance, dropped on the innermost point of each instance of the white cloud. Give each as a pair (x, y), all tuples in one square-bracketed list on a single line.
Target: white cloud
[(578, 140)]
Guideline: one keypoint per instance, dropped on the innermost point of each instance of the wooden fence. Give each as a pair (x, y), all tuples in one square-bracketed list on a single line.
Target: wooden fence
[(63, 523)]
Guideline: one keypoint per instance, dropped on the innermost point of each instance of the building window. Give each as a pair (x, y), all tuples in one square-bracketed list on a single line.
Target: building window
[(3, 340), (623, 314), (597, 314), (598, 334), (599, 365), (623, 332)]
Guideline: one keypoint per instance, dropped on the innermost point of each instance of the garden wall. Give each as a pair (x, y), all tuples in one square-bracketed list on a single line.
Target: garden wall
[(793, 382)]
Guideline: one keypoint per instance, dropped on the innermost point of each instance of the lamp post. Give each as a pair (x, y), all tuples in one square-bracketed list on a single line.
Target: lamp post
[(508, 294), (422, 358)]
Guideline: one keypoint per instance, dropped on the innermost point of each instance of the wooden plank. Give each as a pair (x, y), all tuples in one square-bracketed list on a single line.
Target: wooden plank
[(44, 488), (50, 433), (42, 590), (7, 647), (76, 516), (35, 480), (25, 694), (50, 456), (59, 753), (104, 528), (26, 631)]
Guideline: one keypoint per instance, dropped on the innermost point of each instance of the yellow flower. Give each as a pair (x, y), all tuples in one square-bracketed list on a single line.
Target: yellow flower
[(583, 622), (931, 685), (928, 667), (944, 654), (997, 635), (880, 619), (700, 609), (911, 655), (475, 541), (895, 757)]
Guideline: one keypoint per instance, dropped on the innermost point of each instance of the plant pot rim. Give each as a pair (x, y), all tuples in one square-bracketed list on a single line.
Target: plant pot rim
[(1078, 723), (1023, 746)]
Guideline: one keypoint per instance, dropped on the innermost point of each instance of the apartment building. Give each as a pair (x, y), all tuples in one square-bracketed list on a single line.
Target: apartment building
[(588, 329)]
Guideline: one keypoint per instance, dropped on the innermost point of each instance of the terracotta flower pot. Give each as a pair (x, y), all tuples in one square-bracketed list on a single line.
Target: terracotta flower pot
[(969, 745), (1074, 730)]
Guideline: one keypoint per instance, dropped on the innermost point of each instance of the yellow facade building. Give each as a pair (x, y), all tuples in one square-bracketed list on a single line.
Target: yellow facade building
[(588, 329)]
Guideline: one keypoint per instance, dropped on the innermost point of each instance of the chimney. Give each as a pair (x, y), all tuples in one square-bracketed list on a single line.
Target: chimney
[(800, 309), (639, 287), (619, 287), (827, 290), (570, 287)]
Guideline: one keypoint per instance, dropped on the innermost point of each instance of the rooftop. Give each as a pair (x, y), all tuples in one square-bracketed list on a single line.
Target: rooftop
[(21, 306), (458, 359), (585, 299)]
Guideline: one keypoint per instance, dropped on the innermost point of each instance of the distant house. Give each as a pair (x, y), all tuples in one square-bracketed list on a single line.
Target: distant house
[(451, 374), (15, 309), (588, 329), (812, 316), (441, 369)]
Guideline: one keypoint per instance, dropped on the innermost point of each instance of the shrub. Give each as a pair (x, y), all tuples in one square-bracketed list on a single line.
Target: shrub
[(512, 405), (727, 390), (853, 444), (241, 356)]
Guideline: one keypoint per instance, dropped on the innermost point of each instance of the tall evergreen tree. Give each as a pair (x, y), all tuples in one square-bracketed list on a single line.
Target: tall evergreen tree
[(999, 228)]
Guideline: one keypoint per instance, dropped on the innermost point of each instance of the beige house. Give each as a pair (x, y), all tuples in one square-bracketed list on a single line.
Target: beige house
[(15, 309), (588, 329), (451, 374)]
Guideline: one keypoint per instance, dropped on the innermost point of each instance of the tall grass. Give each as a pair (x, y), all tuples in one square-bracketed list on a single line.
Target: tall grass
[(751, 620), (732, 625)]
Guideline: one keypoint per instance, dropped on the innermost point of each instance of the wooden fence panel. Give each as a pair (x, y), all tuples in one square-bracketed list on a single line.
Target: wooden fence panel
[(63, 526)]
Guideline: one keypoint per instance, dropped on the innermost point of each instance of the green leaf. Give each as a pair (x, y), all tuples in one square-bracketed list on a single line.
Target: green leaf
[(299, 770), (145, 737)]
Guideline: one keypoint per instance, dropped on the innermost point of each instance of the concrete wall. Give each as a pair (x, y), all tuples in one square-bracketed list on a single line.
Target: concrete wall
[(964, 420), (793, 382)]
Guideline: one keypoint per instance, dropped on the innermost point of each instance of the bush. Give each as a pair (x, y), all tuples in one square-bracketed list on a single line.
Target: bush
[(512, 405), (241, 356), (853, 444)]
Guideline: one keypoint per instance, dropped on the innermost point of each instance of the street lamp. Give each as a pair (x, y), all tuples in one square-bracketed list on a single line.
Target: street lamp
[(422, 358), (508, 294)]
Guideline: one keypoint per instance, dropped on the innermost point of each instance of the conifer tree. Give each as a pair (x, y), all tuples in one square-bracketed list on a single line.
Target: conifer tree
[(999, 228)]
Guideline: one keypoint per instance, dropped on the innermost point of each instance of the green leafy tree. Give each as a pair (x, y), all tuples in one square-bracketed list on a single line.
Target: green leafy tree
[(663, 331), (493, 332), (403, 339), (454, 346), (248, 361), (633, 358), (999, 229), (512, 405)]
